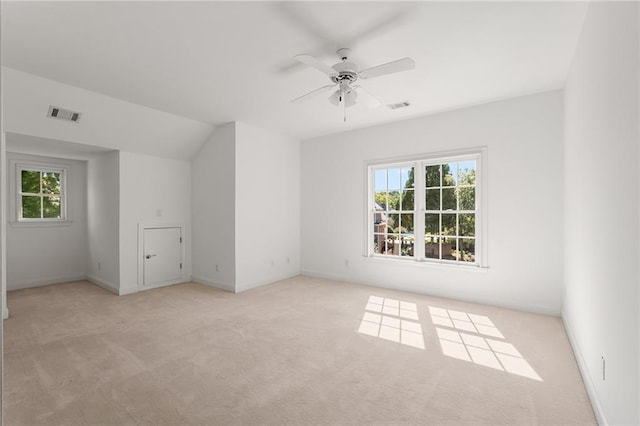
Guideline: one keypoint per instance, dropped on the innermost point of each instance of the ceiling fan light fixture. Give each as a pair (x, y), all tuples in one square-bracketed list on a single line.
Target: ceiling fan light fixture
[(348, 97), (335, 98)]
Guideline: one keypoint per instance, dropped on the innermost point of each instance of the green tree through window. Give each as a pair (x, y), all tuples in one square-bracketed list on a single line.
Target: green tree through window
[(41, 194), (394, 211), (450, 213)]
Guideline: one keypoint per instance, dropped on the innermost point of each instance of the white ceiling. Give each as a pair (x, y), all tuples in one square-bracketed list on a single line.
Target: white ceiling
[(221, 61), (51, 147)]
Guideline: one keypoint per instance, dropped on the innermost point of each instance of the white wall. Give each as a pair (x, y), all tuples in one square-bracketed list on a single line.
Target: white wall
[(39, 254), (103, 220), (246, 208), (523, 137), (3, 230), (214, 203), (3, 257), (601, 309), (267, 207), (153, 190)]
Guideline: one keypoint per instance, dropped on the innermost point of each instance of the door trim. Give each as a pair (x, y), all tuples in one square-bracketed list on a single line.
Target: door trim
[(183, 254)]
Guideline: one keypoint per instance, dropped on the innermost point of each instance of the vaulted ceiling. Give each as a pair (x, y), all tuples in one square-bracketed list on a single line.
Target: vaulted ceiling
[(216, 62)]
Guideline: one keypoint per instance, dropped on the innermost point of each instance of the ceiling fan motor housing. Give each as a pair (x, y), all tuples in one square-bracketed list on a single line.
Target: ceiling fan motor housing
[(346, 71)]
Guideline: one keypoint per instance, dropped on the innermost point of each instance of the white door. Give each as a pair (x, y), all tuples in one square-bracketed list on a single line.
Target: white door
[(162, 255)]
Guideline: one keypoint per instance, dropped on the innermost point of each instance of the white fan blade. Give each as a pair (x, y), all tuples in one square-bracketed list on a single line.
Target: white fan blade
[(404, 64), (314, 63), (313, 93), (369, 100)]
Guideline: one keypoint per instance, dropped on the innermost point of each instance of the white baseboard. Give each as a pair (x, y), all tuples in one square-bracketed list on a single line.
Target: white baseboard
[(430, 292), (256, 284), (221, 286), (102, 283), (239, 289), (334, 277), (586, 377), (125, 291), (158, 285), (46, 281)]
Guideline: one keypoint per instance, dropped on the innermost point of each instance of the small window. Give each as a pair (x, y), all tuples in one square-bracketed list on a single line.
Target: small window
[(426, 209), (41, 194)]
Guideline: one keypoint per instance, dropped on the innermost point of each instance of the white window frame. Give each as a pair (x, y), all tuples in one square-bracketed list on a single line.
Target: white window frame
[(420, 162), (40, 167)]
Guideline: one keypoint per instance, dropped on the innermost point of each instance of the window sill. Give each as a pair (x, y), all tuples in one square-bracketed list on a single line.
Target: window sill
[(41, 224), (426, 263)]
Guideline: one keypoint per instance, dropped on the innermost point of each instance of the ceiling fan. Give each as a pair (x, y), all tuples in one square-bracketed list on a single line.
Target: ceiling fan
[(343, 76)]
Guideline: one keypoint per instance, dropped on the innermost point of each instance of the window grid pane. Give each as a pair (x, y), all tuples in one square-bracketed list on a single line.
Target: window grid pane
[(51, 207), (31, 207), (30, 181)]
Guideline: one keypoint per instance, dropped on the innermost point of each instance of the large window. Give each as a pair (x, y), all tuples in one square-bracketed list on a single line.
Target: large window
[(41, 195), (426, 209)]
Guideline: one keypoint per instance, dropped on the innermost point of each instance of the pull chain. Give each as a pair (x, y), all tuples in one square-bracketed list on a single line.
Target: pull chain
[(345, 110)]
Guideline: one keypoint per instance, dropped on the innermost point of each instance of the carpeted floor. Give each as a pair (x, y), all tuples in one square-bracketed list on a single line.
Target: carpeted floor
[(300, 351)]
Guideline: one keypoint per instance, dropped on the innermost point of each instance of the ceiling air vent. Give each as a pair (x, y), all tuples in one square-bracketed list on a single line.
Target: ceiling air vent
[(399, 105), (63, 114)]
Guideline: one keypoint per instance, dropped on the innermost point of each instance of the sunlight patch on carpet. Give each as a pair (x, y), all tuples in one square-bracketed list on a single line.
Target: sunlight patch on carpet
[(393, 320), (457, 342)]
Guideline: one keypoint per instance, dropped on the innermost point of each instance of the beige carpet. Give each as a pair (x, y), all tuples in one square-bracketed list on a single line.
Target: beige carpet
[(301, 351)]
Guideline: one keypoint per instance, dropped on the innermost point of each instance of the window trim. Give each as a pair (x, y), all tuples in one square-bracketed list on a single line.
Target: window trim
[(420, 161), (17, 196)]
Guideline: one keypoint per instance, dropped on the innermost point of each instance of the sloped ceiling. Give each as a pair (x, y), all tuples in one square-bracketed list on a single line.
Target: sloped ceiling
[(214, 62), (105, 122)]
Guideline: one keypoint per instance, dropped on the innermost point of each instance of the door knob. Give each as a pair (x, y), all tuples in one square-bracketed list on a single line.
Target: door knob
[(149, 256)]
